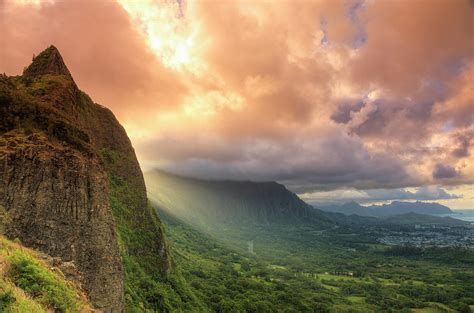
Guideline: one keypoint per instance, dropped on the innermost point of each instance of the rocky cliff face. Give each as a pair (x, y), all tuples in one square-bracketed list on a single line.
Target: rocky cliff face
[(228, 201), (66, 164), (56, 199)]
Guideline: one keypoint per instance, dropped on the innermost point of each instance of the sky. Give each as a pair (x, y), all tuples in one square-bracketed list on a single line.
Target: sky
[(339, 100)]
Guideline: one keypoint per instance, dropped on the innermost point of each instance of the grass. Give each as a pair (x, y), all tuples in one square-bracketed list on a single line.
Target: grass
[(435, 308), (301, 274), (334, 277), (28, 284), (332, 288), (147, 287), (41, 284), (356, 299), (14, 299)]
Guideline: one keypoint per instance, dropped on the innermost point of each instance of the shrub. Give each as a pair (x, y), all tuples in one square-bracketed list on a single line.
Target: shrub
[(41, 284), (6, 299)]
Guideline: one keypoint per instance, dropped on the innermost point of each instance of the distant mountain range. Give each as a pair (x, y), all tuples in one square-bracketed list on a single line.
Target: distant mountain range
[(212, 204), (207, 201), (394, 208)]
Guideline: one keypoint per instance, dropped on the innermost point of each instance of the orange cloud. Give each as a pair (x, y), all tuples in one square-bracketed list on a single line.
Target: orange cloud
[(102, 48)]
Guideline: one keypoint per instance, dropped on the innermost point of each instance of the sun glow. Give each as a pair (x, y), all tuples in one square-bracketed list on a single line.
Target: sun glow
[(167, 31), (33, 2)]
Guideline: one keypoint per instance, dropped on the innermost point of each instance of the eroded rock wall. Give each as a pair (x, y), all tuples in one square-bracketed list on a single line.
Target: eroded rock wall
[(57, 201)]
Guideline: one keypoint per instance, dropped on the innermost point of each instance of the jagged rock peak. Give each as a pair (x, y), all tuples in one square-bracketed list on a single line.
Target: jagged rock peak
[(49, 61)]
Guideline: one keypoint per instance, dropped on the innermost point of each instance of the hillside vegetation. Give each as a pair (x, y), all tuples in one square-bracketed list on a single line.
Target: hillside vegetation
[(71, 186), (328, 263), (147, 286), (30, 283), (296, 270), (212, 203)]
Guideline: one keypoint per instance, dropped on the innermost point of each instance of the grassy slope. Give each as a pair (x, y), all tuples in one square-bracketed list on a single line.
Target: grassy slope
[(232, 281), (29, 284), (147, 285), (294, 270)]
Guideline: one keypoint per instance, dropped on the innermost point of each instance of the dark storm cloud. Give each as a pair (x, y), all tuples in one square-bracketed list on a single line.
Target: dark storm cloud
[(343, 111), (442, 171), (303, 163)]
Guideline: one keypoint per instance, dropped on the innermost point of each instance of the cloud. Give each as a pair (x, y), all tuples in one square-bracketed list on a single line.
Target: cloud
[(340, 196), (344, 110), (316, 158), (442, 171), (322, 95), (461, 150), (422, 193), (409, 43), (101, 47)]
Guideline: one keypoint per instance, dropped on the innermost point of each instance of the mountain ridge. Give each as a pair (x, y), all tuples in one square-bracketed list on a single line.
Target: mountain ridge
[(68, 161), (228, 201), (394, 208)]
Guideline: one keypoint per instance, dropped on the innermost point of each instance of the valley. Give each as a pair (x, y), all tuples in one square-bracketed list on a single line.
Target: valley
[(293, 271), (335, 264)]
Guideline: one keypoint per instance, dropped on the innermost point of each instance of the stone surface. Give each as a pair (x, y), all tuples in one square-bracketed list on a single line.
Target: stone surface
[(57, 202), (59, 153), (53, 184)]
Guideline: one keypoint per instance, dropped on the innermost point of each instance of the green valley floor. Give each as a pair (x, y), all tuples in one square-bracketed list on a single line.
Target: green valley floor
[(294, 269)]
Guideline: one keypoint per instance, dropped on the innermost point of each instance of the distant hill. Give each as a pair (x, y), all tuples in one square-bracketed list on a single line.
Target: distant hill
[(204, 201), (424, 219), (394, 208), (213, 205)]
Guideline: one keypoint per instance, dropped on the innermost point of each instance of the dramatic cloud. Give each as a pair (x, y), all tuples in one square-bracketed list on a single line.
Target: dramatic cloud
[(104, 51), (444, 171), (464, 142), (323, 95)]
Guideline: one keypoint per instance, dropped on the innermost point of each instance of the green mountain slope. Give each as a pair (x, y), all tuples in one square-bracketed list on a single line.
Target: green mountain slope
[(208, 203), (33, 282), (69, 161), (330, 264), (230, 280)]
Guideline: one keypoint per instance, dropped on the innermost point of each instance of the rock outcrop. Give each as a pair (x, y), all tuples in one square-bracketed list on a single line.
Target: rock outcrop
[(58, 153), (49, 61), (57, 202)]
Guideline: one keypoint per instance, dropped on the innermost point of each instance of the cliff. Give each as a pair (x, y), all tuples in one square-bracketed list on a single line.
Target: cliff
[(71, 186), (235, 202)]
